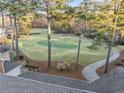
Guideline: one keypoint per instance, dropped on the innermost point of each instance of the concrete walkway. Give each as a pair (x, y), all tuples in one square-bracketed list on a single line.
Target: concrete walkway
[(89, 72)]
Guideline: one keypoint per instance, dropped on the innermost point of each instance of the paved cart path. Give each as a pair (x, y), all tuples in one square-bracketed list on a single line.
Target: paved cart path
[(89, 72)]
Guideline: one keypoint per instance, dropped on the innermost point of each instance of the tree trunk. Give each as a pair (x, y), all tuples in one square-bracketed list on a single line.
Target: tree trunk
[(78, 53), (16, 38), (49, 41), (108, 57), (80, 37), (48, 32), (57, 30), (3, 25), (117, 7), (114, 33), (12, 34)]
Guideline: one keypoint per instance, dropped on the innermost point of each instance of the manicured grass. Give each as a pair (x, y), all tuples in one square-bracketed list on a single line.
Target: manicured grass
[(56, 44), (64, 48)]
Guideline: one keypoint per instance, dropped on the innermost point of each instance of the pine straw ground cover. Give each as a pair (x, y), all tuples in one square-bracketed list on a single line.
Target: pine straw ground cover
[(43, 68)]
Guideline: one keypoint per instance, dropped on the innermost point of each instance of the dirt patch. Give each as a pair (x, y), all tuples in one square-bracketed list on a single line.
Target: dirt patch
[(118, 62), (42, 67)]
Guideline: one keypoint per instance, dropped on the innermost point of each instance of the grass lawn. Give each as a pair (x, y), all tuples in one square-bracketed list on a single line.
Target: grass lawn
[(64, 48)]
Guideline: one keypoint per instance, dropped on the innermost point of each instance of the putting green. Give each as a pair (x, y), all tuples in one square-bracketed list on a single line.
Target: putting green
[(64, 48), (57, 44)]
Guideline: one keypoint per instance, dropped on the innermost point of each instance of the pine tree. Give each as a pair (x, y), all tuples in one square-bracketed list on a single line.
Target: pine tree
[(51, 8), (17, 8)]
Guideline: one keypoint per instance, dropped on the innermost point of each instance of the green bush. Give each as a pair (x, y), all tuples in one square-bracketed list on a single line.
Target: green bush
[(25, 24), (4, 41)]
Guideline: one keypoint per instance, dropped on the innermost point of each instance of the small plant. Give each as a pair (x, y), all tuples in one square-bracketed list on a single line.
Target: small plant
[(12, 55), (24, 68), (96, 42), (4, 41), (65, 66), (94, 45)]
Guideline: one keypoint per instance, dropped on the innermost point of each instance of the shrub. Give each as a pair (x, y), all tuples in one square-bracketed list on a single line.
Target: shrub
[(65, 66), (4, 41)]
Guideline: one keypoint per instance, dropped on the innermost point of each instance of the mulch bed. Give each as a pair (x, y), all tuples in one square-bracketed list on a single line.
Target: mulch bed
[(118, 62), (72, 74), (43, 68)]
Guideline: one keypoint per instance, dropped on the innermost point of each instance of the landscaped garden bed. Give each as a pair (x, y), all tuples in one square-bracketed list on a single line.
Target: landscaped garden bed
[(42, 67), (64, 48)]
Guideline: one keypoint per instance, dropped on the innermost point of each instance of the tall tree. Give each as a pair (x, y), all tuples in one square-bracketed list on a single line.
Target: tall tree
[(11, 31), (3, 20), (2, 8), (107, 22), (51, 8), (120, 23), (117, 6), (103, 23), (17, 8), (85, 9)]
